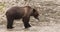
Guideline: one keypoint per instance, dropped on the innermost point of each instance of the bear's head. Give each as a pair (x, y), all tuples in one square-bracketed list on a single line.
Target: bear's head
[(35, 14)]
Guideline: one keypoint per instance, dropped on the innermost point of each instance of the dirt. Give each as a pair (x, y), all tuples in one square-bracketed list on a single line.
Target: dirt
[(36, 27)]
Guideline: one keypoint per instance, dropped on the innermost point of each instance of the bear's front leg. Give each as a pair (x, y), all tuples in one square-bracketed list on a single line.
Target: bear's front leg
[(26, 22), (9, 22)]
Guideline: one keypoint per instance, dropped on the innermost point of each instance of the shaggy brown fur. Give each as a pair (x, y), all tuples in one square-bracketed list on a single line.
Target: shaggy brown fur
[(23, 13)]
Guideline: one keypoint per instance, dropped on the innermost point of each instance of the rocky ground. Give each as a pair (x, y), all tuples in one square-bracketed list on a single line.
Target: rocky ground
[(36, 27), (49, 11)]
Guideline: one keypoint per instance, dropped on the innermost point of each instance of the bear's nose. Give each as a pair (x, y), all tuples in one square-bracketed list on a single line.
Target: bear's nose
[(37, 18)]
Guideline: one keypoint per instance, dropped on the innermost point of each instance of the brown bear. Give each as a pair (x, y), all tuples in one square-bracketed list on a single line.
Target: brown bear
[(23, 13)]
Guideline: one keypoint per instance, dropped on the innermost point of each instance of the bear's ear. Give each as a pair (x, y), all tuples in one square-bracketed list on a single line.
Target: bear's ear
[(34, 10)]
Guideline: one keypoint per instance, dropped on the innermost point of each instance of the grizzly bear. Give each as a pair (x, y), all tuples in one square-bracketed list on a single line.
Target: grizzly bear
[(23, 13)]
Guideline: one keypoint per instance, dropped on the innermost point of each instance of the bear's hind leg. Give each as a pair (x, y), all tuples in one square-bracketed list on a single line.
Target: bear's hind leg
[(9, 22), (26, 22)]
